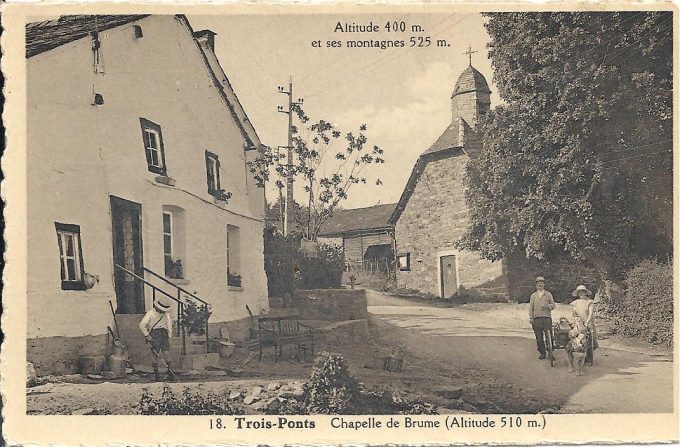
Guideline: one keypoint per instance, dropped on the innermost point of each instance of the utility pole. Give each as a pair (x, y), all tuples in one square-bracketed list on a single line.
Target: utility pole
[(288, 211)]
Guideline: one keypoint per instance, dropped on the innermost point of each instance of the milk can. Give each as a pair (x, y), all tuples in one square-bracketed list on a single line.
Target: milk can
[(118, 360)]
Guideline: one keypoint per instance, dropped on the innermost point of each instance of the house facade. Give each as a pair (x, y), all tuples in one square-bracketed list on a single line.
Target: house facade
[(366, 236), (432, 213), (137, 148)]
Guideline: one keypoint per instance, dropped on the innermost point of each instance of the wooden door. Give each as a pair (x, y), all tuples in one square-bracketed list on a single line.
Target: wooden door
[(449, 276), (126, 225)]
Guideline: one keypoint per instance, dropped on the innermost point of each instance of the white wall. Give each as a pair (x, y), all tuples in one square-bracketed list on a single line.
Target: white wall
[(79, 154)]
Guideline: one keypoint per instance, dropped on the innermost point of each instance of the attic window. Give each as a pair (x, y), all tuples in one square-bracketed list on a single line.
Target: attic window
[(138, 31)]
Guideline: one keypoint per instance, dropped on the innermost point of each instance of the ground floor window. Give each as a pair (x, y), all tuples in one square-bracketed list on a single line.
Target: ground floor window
[(173, 242), (233, 248), (404, 262), (70, 256)]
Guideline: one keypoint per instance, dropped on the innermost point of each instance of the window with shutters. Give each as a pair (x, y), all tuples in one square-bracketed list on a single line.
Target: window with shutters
[(70, 256), (153, 146), (212, 169)]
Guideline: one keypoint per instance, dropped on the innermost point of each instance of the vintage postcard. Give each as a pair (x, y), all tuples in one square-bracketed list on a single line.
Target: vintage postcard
[(436, 223)]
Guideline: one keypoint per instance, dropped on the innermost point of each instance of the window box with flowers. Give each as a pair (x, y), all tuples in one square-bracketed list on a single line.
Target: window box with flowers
[(234, 280), (173, 268)]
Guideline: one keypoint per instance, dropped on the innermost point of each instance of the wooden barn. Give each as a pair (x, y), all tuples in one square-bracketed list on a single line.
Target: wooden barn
[(366, 235)]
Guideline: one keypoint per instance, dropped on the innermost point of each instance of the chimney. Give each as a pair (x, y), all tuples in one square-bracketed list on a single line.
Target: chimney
[(206, 38)]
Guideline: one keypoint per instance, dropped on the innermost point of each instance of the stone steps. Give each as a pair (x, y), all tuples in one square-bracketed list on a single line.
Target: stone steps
[(141, 357)]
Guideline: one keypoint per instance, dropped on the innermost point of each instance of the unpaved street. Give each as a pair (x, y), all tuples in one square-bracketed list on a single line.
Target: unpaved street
[(498, 338)]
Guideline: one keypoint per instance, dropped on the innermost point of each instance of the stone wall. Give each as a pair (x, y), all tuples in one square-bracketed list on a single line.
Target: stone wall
[(331, 304), (435, 217), (341, 333), (59, 355)]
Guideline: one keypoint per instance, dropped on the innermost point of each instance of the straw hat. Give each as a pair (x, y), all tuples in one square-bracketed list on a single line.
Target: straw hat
[(162, 304), (581, 288)]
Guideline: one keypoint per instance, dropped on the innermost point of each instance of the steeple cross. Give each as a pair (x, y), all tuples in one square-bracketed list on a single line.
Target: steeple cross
[(469, 52)]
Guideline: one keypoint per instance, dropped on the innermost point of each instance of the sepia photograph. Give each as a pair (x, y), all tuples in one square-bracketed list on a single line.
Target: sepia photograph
[(413, 213)]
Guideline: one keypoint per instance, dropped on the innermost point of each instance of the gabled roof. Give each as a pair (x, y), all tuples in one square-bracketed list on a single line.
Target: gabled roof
[(50, 34), (448, 139), (447, 145), (358, 220), (47, 35)]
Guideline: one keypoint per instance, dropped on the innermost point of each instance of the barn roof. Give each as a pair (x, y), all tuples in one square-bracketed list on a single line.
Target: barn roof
[(358, 219), (49, 34)]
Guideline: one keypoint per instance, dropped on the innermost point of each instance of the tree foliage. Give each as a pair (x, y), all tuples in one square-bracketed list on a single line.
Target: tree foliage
[(327, 160), (577, 161)]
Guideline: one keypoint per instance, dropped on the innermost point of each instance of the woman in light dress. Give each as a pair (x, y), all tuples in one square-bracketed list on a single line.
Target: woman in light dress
[(584, 308)]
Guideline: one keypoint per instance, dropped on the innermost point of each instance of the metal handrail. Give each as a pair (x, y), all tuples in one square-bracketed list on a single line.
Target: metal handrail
[(181, 290), (148, 283), (186, 292), (180, 304)]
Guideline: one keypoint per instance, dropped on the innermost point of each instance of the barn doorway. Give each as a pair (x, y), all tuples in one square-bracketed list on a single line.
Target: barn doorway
[(379, 258)]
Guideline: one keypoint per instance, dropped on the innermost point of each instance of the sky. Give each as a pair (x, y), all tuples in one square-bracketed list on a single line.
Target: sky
[(401, 94)]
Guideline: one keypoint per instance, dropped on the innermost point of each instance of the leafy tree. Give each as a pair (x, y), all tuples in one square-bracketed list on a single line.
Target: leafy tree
[(577, 162), (328, 172)]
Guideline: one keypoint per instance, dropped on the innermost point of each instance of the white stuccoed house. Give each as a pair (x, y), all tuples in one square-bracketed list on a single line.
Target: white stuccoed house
[(138, 185)]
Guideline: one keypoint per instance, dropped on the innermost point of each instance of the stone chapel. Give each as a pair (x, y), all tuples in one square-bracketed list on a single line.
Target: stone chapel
[(432, 214)]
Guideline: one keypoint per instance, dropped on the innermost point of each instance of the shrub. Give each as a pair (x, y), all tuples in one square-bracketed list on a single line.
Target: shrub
[(187, 403), (194, 318), (280, 254), (381, 400), (330, 389), (289, 268), (646, 309), (322, 272)]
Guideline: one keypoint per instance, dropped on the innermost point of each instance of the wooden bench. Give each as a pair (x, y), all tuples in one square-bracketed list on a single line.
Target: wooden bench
[(279, 330)]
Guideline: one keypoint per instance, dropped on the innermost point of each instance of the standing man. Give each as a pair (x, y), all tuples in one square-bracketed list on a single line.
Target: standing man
[(156, 326), (541, 305)]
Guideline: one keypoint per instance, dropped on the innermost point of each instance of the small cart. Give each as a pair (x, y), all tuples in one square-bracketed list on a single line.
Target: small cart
[(559, 338)]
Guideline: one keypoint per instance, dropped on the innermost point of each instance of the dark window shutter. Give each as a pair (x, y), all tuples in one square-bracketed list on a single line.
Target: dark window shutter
[(218, 186), (207, 173)]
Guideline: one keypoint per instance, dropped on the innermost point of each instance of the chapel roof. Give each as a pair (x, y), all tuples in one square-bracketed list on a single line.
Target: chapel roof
[(471, 80), (448, 139), (353, 220)]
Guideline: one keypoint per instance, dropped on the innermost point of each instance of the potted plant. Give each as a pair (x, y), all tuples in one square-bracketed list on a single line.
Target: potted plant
[(194, 318), (173, 268)]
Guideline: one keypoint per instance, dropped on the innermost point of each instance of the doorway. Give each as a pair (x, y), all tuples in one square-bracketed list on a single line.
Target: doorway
[(126, 225), (449, 275)]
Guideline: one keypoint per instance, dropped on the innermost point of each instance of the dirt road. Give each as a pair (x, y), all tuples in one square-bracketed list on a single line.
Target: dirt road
[(498, 339)]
